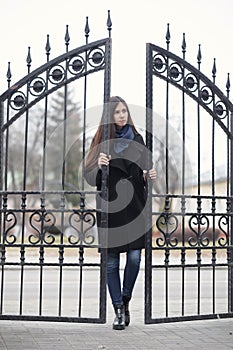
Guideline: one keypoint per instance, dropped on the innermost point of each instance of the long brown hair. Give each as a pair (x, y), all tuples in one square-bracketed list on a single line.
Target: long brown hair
[(95, 148)]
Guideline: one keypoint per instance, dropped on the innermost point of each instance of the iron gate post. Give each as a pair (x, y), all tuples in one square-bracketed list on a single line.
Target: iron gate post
[(104, 216), (149, 128), (1, 160), (230, 257)]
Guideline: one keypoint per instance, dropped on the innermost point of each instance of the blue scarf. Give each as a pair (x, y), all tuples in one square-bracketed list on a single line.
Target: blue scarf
[(123, 137)]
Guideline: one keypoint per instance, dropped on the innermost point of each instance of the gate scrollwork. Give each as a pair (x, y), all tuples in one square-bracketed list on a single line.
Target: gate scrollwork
[(79, 218), (223, 240), (10, 236), (43, 218), (167, 224), (199, 225)]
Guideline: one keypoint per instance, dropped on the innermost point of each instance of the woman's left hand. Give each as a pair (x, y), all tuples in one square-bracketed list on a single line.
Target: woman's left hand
[(152, 174)]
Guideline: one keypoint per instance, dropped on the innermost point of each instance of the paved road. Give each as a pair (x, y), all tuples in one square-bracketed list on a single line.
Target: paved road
[(16, 335), (90, 292)]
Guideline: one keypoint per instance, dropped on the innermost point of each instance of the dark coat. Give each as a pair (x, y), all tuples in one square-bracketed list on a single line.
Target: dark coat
[(127, 193)]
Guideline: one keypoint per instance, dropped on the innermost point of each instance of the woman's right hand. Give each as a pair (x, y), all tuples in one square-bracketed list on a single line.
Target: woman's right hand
[(103, 160)]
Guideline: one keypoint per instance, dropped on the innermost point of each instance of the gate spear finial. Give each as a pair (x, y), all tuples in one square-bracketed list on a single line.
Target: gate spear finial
[(214, 70), (109, 24), (168, 36), (183, 45), (87, 30), (199, 57), (67, 37), (47, 47), (29, 58), (228, 84), (8, 75)]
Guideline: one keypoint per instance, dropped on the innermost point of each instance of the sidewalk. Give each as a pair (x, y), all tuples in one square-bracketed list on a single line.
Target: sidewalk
[(212, 334)]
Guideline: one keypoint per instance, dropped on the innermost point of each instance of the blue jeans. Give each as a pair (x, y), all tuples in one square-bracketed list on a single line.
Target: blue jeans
[(131, 270)]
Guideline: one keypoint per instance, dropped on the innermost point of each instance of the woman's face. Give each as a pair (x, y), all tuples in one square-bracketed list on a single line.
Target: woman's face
[(120, 115)]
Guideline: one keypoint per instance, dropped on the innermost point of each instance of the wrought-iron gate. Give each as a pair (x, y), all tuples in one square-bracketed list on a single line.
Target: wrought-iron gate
[(48, 242), (188, 272), (48, 218)]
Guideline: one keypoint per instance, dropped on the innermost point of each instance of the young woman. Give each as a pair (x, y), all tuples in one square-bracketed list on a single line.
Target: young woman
[(126, 201)]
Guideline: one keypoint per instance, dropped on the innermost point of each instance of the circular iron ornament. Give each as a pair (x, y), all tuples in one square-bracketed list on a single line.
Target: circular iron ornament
[(206, 95), (175, 72), (76, 65), (18, 100), (221, 110), (56, 74), (96, 58), (159, 63), (37, 86), (191, 82)]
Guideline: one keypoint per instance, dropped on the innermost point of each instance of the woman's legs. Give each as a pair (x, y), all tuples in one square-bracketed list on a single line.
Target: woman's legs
[(131, 271), (130, 274), (114, 287), (120, 298), (113, 276)]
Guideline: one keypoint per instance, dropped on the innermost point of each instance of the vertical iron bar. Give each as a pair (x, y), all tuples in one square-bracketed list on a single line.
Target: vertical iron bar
[(183, 185), (48, 48), (61, 252), (167, 171), (22, 248), (213, 213), (167, 133), (166, 263), (3, 250), (230, 270), (1, 209), (183, 256), (6, 151), (81, 249), (81, 256), (5, 185), (213, 198), (149, 145), (41, 250), (198, 280), (198, 252), (85, 106), (1, 166), (62, 201)]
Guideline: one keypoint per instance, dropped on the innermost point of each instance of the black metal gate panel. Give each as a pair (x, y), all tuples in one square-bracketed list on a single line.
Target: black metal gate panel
[(52, 267), (188, 272)]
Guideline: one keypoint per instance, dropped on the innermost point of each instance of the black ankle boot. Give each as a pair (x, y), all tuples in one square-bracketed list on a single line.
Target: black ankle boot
[(119, 321), (126, 305)]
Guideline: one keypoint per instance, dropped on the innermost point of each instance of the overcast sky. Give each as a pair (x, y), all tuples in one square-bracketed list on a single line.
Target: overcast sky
[(26, 23)]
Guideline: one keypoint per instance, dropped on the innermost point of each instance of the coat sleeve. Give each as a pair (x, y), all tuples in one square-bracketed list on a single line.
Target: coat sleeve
[(144, 154), (93, 177)]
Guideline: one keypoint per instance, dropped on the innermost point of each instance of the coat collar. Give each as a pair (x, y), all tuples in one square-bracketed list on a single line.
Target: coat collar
[(133, 154)]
